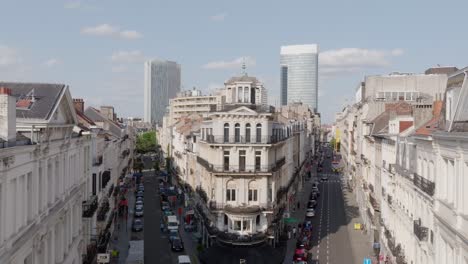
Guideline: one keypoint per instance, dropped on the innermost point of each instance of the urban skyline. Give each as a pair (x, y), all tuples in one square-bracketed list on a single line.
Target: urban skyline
[(119, 43), (212, 133)]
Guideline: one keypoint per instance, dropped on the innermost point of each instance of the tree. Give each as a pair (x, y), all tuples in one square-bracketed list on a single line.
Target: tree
[(333, 142), (146, 142)]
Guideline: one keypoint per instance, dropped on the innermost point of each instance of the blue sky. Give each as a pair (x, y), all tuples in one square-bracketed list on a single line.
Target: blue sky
[(98, 46)]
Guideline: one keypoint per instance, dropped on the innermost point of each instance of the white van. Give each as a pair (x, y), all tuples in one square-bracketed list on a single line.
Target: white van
[(184, 259), (172, 222)]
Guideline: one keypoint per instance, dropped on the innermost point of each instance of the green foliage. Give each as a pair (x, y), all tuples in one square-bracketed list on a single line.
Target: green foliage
[(146, 142), (333, 142)]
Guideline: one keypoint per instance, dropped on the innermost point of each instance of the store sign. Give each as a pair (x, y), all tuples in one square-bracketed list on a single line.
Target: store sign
[(103, 258)]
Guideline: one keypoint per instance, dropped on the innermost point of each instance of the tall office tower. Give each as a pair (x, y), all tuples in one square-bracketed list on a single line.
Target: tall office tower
[(299, 75), (162, 82)]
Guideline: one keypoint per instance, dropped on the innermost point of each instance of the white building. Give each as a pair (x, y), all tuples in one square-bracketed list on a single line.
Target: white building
[(111, 154), (42, 176), (246, 160), (398, 166), (451, 174), (193, 102), (161, 83)]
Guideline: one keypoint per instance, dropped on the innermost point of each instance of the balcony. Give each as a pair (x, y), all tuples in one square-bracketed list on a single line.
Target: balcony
[(403, 172), (97, 161), (103, 211), (389, 199), (420, 231), (241, 168), (241, 240), (425, 185), (221, 139), (125, 153), (90, 206), (242, 209)]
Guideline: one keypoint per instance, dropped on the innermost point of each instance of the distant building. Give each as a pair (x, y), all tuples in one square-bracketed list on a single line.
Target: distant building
[(299, 75), (193, 102), (162, 82)]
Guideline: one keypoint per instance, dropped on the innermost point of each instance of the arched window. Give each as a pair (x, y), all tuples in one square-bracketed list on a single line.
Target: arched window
[(259, 133), (226, 133), (247, 133), (237, 133), (231, 191), (253, 192)]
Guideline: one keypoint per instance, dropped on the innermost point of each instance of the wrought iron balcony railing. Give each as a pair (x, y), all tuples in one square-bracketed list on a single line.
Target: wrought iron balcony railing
[(90, 206), (424, 184), (420, 231), (241, 168), (238, 139)]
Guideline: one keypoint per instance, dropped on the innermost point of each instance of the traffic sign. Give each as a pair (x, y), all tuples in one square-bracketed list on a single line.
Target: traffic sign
[(367, 261)]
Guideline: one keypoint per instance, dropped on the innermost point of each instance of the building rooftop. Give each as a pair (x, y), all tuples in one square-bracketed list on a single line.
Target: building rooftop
[(299, 49), (243, 78), (35, 100)]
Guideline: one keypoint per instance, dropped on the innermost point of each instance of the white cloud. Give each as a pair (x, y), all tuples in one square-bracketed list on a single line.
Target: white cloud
[(100, 30), (72, 5), (130, 34), (236, 63), (106, 30), (347, 60), (219, 17), (51, 62), (8, 56)]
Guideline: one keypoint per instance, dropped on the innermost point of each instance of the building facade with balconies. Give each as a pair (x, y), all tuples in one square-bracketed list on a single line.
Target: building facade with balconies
[(42, 176), (245, 160)]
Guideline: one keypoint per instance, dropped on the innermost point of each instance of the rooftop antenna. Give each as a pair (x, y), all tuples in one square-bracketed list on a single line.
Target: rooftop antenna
[(244, 72)]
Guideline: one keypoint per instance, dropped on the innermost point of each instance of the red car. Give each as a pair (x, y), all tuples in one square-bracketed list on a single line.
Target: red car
[(300, 255)]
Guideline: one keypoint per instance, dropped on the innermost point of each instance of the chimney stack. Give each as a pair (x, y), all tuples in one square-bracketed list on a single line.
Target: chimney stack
[(78, 103), (7, 117)]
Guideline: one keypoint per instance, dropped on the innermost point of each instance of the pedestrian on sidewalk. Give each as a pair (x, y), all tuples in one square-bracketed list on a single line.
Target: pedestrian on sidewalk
[(294, 232), (162, 227), (289, 234), (298, 205)]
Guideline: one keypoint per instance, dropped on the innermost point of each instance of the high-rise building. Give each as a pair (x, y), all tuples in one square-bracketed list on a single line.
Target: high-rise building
[(299, 75), (162, 82)]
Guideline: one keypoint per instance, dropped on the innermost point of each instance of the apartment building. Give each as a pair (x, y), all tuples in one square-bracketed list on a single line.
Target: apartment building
[(398, 166), (246, 161), (42, 176)]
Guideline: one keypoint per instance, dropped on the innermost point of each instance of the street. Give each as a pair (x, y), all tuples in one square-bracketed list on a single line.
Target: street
[(333, 237)]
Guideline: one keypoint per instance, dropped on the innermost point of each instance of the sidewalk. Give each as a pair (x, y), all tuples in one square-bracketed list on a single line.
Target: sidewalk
[(360, 242), (124, 232), (300, 216)]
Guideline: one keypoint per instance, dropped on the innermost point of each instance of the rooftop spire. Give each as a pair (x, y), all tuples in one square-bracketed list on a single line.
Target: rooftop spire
[(244, 72)]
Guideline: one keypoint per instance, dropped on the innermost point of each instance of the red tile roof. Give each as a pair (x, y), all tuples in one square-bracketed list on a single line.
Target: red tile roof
[(433, 124)]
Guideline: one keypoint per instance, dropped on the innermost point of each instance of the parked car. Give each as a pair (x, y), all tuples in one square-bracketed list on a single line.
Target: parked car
[(313, 196), (177, 245), (165, 206), (137, 225), (139, 202), (139, 211), (173, 234), (324, 178), (310, 212), (313, 203), (140, 194), (300, 255)]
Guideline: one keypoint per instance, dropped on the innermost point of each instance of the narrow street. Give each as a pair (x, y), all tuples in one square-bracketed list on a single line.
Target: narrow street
[(333, 237)]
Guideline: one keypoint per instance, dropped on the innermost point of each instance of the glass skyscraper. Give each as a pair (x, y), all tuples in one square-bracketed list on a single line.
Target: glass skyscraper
[(162, 82), (299, 75)]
